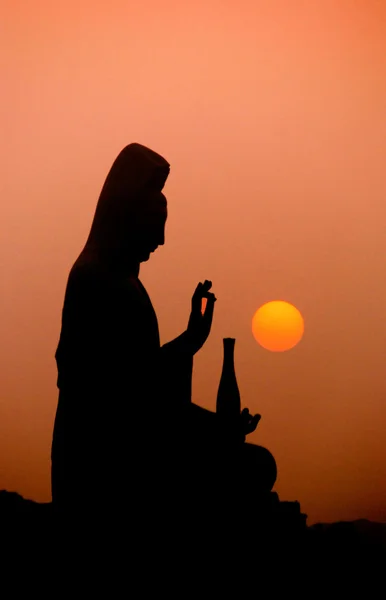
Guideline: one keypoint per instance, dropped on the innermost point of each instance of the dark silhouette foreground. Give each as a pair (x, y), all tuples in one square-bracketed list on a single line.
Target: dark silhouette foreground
[(143, 480), (330, 558)]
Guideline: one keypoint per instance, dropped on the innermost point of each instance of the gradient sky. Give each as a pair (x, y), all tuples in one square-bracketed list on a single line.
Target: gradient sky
[(272, 115)]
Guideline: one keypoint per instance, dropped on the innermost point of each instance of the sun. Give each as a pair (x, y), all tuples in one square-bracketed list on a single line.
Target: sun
[(277, 326)]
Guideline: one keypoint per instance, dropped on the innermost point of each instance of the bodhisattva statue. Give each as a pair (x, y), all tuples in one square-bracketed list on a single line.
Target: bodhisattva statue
[(127, 439)]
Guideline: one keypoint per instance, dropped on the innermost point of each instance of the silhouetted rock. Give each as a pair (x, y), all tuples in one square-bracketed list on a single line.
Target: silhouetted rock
[(278, 547), (351, 538)]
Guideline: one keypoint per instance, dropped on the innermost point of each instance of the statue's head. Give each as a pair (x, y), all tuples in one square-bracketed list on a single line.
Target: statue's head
[(130, 217)]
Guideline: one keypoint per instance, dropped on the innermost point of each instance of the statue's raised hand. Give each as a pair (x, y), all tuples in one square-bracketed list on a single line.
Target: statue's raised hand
[(200, 323)]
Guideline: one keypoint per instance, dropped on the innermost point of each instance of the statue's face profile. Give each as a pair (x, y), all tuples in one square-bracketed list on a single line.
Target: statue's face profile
[(149, 227)]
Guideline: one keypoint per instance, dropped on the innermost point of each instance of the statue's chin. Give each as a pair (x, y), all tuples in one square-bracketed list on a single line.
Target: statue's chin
[(144, 257)]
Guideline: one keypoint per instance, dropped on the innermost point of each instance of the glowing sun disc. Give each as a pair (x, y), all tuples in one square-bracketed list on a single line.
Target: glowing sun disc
[(277, 326)]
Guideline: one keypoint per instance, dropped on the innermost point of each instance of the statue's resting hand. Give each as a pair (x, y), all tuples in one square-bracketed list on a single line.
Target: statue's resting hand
[(235, 430), (248, 422)]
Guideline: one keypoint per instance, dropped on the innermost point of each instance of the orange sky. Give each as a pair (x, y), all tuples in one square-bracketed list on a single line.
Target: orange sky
[(272, 115)]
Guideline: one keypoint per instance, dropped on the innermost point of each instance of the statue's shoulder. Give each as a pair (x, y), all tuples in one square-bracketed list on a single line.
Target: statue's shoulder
[(90, 279), (84, 272), (86, 282)]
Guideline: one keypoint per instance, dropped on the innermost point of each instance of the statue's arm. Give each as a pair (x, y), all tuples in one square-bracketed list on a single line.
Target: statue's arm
[(180, 345)]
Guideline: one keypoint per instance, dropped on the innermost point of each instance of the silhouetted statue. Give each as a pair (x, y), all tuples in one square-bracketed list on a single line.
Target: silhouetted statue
[(127, 438)]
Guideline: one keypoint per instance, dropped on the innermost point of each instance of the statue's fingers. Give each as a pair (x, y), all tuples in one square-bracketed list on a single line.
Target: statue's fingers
[(245, 416), (197, 291), (251, 426), (202, 289), (197, 297), (209, 309), (207, 285)]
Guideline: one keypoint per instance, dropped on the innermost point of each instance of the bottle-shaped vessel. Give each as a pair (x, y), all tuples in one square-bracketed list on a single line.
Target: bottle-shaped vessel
[(228, 395)]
